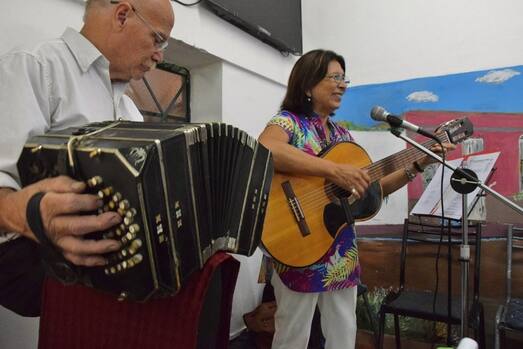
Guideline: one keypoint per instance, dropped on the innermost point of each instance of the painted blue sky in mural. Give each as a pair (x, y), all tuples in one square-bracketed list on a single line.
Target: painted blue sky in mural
[(499, 90)]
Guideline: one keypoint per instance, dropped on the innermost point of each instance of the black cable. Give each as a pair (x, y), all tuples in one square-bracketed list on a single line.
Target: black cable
[(436, 287), (185, 4)]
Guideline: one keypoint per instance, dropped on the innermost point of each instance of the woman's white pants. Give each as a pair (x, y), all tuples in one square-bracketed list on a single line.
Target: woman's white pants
[(295, 311)]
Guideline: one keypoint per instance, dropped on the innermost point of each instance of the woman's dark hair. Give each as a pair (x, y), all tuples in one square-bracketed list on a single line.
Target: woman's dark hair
[(307, 72)]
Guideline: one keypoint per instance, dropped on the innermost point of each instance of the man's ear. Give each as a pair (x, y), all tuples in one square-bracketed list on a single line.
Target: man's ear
[(122, 14)]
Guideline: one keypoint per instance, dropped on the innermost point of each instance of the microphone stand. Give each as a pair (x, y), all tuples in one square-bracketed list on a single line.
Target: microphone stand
[(463, 181), (464, 186)]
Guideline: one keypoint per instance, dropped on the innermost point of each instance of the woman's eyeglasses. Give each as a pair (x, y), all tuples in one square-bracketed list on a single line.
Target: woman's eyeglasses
[(338, 78)]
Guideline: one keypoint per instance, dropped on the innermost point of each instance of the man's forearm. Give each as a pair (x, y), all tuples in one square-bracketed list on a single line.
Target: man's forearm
[(11, 219)]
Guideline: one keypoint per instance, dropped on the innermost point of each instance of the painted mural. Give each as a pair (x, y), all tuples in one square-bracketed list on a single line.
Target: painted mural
[(498, 91), (497, 132), (491, 99)]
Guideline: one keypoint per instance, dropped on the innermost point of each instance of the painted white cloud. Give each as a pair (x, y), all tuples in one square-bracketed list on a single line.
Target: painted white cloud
[(422, 96), (498, 76)]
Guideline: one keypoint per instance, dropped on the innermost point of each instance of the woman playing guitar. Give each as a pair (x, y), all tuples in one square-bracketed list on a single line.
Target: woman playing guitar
[(302, 130)]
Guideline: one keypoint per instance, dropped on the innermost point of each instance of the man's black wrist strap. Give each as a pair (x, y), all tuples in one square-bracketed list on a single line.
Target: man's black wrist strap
[(54, 262), (34, 220)]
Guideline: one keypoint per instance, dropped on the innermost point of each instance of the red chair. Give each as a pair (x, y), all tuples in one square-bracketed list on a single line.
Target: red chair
[(80, 317)]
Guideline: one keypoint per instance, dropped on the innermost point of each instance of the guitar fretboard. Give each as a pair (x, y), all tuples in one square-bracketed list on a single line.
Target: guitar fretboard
[(394, 162)]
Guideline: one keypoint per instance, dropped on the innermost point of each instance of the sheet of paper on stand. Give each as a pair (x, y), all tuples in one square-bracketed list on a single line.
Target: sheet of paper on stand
[(430, 201)]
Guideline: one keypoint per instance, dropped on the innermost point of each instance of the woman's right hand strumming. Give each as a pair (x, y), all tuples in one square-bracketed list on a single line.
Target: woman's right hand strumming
[(354, 180)]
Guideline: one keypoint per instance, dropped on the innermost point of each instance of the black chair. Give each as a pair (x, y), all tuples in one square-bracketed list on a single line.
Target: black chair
[(509, 317), (425, 304)]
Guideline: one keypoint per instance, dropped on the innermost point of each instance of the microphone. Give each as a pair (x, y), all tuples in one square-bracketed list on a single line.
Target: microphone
[(380, 114)]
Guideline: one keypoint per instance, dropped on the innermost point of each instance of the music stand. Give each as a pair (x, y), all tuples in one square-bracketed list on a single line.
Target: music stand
[(469, 180)]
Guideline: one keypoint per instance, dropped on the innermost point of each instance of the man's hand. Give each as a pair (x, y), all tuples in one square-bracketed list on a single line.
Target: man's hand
[(62, 209)]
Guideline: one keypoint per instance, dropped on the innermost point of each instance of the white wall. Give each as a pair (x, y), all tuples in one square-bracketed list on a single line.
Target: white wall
[(249, 100), (234, 95), (206, 92), (31, 21), (402, 39)]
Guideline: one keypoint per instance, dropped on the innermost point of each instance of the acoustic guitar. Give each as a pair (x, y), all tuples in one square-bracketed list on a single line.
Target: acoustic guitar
[(305, 213)]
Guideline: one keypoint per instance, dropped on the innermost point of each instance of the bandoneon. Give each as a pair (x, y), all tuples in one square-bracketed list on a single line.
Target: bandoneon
[(184, 191)]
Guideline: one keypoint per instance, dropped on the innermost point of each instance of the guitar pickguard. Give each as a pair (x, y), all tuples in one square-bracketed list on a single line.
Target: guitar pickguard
[(369, 204), (333, 218)]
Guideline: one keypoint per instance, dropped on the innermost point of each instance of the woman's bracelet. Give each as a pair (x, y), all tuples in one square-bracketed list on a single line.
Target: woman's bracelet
[(410, 174)]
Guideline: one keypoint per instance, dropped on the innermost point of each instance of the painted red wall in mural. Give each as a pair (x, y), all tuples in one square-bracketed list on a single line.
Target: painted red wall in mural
[(500, 132)]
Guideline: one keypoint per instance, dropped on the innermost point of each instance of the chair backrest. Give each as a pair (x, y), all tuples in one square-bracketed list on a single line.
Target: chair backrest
[(443, 233), (514, 241)]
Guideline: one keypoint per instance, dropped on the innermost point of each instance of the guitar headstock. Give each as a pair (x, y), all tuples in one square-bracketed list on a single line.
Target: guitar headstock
[(456, 131)]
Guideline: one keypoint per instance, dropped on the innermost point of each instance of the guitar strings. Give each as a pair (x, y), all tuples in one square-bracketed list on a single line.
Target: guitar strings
[(317, 198), (332, 189), (374, 169)]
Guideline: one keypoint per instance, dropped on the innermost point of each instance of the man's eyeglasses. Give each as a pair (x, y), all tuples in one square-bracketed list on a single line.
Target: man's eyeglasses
[(338, 78), (160, 43)]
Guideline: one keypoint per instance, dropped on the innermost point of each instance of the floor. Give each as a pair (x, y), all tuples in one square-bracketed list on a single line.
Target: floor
[(247, 340)]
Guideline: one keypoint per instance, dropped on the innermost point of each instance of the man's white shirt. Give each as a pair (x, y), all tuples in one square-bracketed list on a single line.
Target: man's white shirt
[(58, 84)]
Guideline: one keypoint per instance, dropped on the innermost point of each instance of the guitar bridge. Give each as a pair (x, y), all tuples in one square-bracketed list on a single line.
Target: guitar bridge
[(294, 205)]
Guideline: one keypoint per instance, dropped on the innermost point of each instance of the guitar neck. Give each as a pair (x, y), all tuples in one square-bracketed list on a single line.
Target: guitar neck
[(402, 159)]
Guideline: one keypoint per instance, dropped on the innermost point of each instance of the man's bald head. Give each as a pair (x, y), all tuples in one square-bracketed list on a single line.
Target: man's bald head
[(93, 5), (128, 33)]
